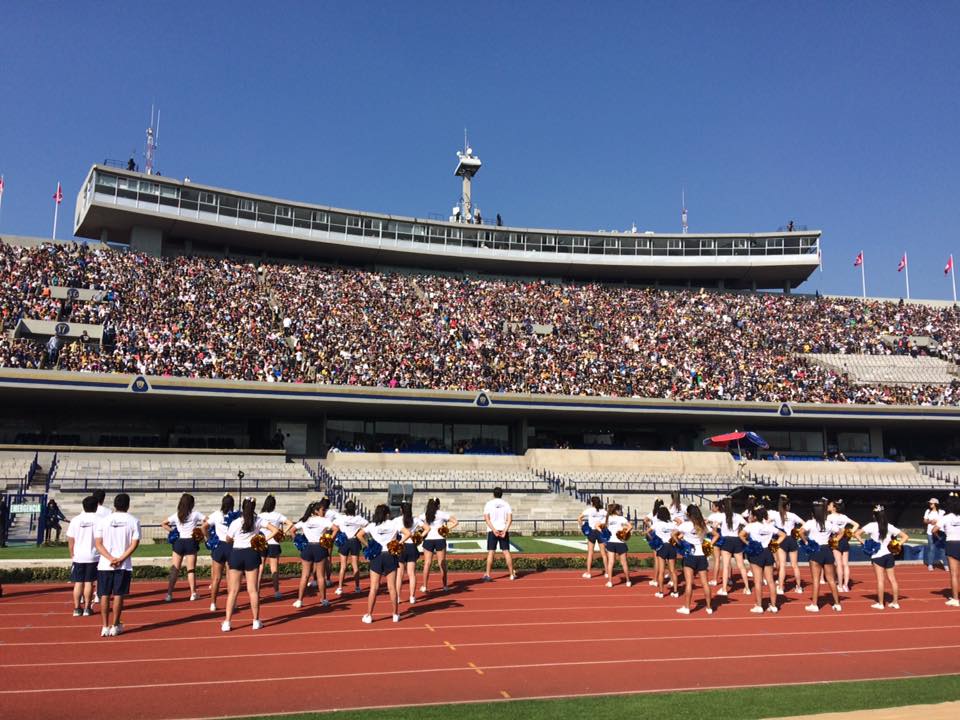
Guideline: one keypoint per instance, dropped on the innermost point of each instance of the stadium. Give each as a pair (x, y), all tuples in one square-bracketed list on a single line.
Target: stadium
[(264, 456)]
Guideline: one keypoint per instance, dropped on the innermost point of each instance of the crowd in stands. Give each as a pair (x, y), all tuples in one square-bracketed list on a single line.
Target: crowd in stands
[(226, 318)]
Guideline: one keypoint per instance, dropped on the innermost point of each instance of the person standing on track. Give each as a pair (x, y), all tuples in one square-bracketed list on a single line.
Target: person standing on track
[(692, 531), (949, 524), (269, 514), (117, 537), (620, 529), (665, 560), (314, 524), (933, 552), (83, 553), (595, 516), (822, 561), (677, 513), (185, 547), (498, 515), (435, 543), (383, 530), (102, 511), (714, 520), (882, 532), (787, 522), (839, 524), (762, 531), (731, 547), (245, 560), (216, 523), (350, 524)]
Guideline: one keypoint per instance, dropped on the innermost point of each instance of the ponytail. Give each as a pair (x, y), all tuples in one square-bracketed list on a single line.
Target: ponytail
[(433, 504), (308, 513), (820, 515), (696, 517), (247, 508), (728, 511), (407, 515), (185, 507), (784, 507), (226, 504), (880, 515)]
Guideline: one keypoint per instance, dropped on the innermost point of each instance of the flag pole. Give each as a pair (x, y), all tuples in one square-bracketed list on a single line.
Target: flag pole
[(863, 276), (953, 280), (906, 273), (2, 188), (56, 210)]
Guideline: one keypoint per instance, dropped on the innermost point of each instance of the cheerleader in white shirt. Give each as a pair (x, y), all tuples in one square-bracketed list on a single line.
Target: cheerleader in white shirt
[(731, 547), (821, 560), (677, 513), (693, 530), (787, 522), (383, 530), (409, 554), (949, 524), (435, 543), (882, 532), (620, 529), (839, 524), (269, 514), (245, 560), (714, 519), (216, 523), (665, 559), (595, 516), (762, 531), (314, 525), (186, 547), (349, 523)]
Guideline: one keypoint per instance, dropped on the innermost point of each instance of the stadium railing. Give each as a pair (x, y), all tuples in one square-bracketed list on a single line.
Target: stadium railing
[(184, 484)]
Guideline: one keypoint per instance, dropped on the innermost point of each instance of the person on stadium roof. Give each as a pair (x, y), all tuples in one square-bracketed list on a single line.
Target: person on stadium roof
[(595, 516), (186, 546), (883, 532), (822, 561)]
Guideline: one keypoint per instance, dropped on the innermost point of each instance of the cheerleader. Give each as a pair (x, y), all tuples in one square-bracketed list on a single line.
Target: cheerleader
[(648, 522), (618, 526), (693, 530), (881, 531), (822, 560), (949, 523), (274, 549), (349, 523), (314, 525), (762, 530), (839, 523), (786, 522), (383, 530), (216, 523), (665, 559), (731, 547), (677, 513), (432, 520), (185, 548), (245, 561), (409, 553), (714, 519), (595, 516)]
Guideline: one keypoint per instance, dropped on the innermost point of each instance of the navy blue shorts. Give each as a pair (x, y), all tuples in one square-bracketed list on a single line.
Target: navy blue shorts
[(763, 559), (409, 553), (823, 556), (113, 582), (274, 551), (435, 545), (384, 563), (494, 542), (186, 546), (314, 553), (244, 559), (887, 561), (83, 572), (952, 549), (616, 547), (789, 544), (350, 547), (732, 544), (697, 563), (843, 545), (221, 553), (594, 537), (667, 551)]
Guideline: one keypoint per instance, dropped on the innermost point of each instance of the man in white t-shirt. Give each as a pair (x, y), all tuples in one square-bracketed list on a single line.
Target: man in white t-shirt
[(117, 537), (100, 495), (83, 553), (933, 553), (499, 516)]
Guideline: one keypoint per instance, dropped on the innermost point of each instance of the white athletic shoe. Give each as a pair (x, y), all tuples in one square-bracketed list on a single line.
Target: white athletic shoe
[(798, 590), (712, 583), (312, 584), (87, 612), (117, 629), (629, 583), (709, 611), (193, 597), (894, 606), (423, 588), (298, 603), (837, 608), (773, 609), (213, 607), (324, 603), (658, 594), (756, 609), (257, 625), (586, 576), (929, 568), (338, 591), (779, 590), (609, 584), (77, 612), (652, 583), (396, 618), (366, 619), (105, 632), (168, 597), (413, 600), (721, 592), (683, 610), (747, 591), (749, 573), (445, 589), (953, 602), (513, 577), (674, 594), (225, 626), (812, 608), (877, 606)]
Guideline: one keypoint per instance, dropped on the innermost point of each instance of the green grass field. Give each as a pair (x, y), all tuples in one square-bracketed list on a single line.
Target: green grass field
[(738, 704)]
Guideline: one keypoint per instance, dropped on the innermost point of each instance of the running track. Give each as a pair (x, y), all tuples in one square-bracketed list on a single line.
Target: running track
[(548, 634)]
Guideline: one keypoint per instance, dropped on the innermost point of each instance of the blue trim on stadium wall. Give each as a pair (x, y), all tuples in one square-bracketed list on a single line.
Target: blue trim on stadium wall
[(146, 387)]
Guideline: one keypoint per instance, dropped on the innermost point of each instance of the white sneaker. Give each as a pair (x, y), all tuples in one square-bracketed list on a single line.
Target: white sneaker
[(225, 626), (747, 591), (894, 606), (929, 568), (749, 573), (366, 619), (77, 612), (118, 629), (413, 600), (298, 603), (112, 632), (798, 590), (324, 603), (193, 597), (277, 595), (779, 590), (837, 608), (586, 576), (257, 625), (105, 632), (652, 583), (168, 597), (773, 609), (721, 592), (609, 584), (812, 608), (674, 594), (683, 610), (213, 607), (953, 602), (658, 594), (712, 583), (338, 591), (513, 577), (756, 609), (423, 588), (87, 612), (396, 618), (709, 611), (629, 583), (312, 584), (877, 606)]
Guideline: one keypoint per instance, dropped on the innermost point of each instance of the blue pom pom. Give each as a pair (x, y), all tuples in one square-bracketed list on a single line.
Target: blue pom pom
[(654, 541), (753, 549), (871, 547), (231, 516), (173, 536), (213, 540), (340, 539), (685, 549), (300, 541), (585, 528), (720, 541), (605, 535), (811, 546), (372, 550)]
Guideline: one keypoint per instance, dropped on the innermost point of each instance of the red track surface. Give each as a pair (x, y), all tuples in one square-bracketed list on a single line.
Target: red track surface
[(547, 634)]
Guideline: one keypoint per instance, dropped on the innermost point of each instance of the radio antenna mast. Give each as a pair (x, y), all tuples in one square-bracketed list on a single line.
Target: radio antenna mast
[(683, 210), (153, 135)]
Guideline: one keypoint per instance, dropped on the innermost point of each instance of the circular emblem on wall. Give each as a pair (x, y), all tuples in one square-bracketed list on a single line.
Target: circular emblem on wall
[(62, 329), (139, 384)]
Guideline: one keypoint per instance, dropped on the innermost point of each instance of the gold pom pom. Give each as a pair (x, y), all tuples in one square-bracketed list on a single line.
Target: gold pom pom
[(326, 541), (279, 537), (623, 535), (197, 534), (443, 531), (259, 543), (394, 547), (417, 537)]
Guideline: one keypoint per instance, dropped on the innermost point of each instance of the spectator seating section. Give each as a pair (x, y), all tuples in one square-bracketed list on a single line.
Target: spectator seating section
[(889, 369), (15, 468)]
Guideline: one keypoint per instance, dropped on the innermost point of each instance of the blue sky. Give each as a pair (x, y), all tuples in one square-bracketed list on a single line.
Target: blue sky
[(842, 116)]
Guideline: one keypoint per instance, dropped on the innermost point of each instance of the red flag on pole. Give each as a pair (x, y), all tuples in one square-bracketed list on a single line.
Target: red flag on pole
[(58, 195), (1, 185), (859, 261), (949, 267), (903, 263)]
